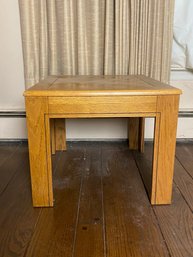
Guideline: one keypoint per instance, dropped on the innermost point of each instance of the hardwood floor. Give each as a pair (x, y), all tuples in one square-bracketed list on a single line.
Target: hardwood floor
[(101, 204)]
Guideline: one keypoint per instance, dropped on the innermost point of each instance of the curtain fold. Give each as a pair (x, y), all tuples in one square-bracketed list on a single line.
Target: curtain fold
[(96, 37)]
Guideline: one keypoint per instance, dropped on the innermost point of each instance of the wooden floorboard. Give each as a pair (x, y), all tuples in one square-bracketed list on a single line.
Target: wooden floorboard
[(144, 164), (184, 182), (89, 234), (12, 164), (101, 205), (55, 231), (184, 153), (17, 216), (7, 150), (175, 220), (176, 223), (131, 226)]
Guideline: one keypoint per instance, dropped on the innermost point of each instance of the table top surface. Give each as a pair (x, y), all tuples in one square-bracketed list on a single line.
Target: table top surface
[(100, 86)]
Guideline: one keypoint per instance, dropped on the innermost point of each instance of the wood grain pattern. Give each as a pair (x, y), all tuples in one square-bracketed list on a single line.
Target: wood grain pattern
[(40, 167), (136, 128), (184, 182), (155, 84), (144, 164), (52, 135), (7, 150), (182, 178), (89, 234), (141, 134), (17, 215), (101, 86), (176, 222), (184, 155), (42, 85), (116, 104), (60, 134), (55, 232), (164, 149), (98, 115), (131, 227), (100, 96), (11, 165), (49, 159), (133, 133)]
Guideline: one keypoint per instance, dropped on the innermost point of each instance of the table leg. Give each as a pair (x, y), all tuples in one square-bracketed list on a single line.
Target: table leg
[(53, 141), (164, 149), (39, 151), (60, 134), (136, 128)]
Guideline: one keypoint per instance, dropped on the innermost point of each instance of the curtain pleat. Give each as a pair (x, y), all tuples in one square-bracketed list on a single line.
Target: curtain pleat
[(96, 37)]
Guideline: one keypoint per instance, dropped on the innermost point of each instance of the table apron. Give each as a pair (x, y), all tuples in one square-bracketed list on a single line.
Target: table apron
[(108, 104)]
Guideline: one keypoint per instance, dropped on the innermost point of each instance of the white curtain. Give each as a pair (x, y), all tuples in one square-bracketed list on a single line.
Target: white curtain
[(96, 37), (182, 54)]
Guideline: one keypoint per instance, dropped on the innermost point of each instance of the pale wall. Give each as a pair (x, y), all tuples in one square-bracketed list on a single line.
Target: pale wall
[(11, 64)]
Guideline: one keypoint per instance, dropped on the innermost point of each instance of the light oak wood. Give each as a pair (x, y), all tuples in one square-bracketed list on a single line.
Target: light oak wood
[(100, 96), (136, 133), (49, 160), (39, 151), (100, 86), (60, 134), (141, 134), (164, 149), (118, 104), (53, 140), (104, 115)]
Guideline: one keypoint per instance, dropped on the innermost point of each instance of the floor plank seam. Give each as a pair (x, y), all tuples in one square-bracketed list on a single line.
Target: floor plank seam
[(7, 185), (11, 155), (78, 210), (41, 210), (36, 224), (55, 168), (182, 196), (57, 161), (164, 240), (103, 210), (12, 177), (10, 181), (184, 167), (27, 232), (136, 163)]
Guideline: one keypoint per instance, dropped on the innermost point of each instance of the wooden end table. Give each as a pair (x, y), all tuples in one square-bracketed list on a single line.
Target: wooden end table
[(136, 97)]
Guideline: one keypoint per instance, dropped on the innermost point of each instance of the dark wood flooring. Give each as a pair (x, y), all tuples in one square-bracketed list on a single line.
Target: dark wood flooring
[(101, 204)]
